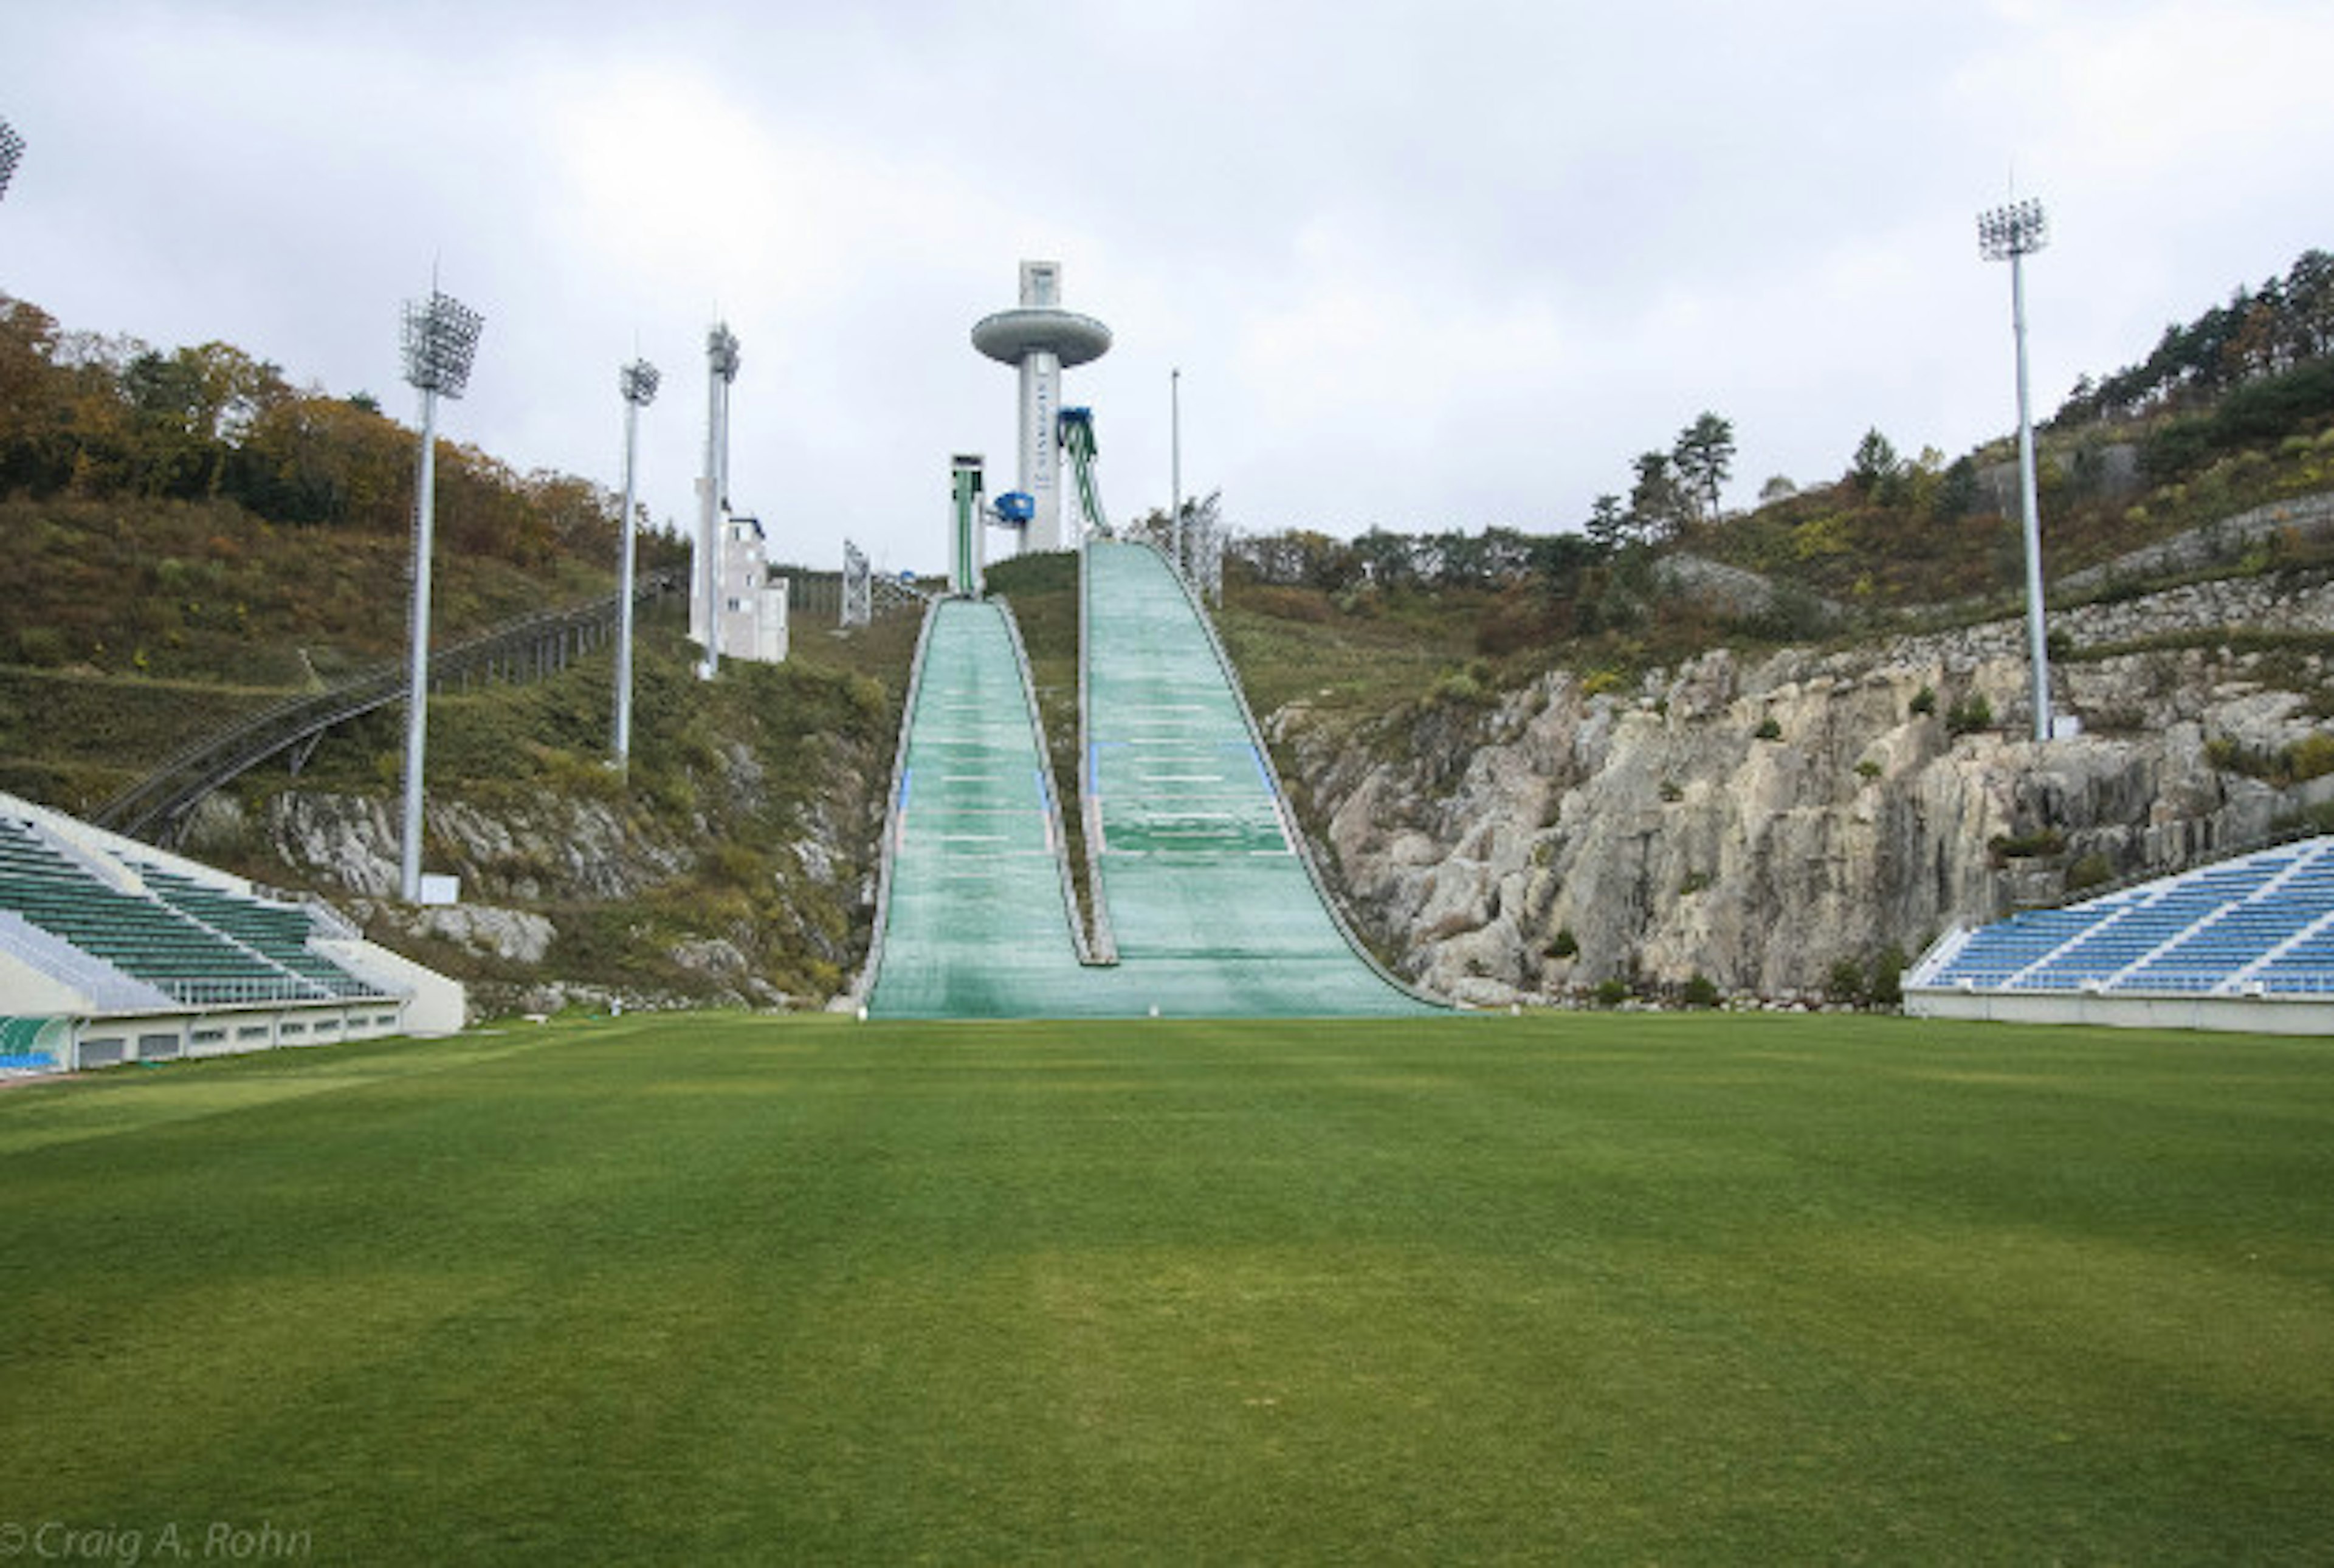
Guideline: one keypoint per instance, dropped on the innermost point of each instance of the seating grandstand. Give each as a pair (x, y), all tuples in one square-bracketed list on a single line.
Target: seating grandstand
[(2206, 947), (276, 932), (113, 950)]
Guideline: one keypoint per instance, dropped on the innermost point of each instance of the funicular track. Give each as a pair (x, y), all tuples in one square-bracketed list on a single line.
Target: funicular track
[(530, 647)]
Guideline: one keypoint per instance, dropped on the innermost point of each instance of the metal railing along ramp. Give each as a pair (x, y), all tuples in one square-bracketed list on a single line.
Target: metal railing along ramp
[(1202, 879)]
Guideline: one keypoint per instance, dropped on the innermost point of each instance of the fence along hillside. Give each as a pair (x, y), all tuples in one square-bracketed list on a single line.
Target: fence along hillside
[(531, 648)]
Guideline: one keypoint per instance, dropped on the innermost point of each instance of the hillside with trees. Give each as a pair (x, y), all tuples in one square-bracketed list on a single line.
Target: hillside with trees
[(190, 537), (2232, 411), (190, 513), (2260, 334)]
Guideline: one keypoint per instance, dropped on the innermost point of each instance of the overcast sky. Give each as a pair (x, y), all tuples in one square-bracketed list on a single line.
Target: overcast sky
[(1421, 266)]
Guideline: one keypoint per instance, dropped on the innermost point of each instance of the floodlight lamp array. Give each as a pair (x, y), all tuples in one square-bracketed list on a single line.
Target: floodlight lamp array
[(12, 148), (638, 382), (2019, 229), (721, 350), (441, 338)]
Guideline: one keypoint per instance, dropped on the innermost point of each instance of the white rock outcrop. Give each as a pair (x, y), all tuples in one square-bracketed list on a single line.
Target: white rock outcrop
[(1757, 821)]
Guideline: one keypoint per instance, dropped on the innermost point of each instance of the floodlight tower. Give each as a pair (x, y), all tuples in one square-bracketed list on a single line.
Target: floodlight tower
[(12, 148), (637, 382), (713, 496), (1041, 339), (2012, 234), (441, 338)]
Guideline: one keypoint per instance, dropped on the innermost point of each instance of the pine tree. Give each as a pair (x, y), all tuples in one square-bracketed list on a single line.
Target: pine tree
[(1704, 460)]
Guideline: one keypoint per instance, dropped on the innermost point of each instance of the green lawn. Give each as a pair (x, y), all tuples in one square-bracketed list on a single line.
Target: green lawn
[(1579, 1288)]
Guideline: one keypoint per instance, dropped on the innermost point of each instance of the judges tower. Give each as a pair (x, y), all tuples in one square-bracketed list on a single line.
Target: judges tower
[(1041, 339)]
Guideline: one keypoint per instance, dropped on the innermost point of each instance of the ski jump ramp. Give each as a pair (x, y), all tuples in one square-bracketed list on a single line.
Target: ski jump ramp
[(1205, 903)]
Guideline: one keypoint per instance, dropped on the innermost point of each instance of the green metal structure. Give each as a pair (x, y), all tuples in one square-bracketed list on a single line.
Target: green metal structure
[(1078, 441), (964, 526)]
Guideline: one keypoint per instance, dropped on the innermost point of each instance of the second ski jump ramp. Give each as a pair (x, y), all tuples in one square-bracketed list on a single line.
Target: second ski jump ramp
[(1211, 900), (1198, 869)]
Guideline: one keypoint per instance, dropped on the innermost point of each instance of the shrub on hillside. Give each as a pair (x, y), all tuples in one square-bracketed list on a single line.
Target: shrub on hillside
[(2091, 871), (1308, 605), (1967, 716), (1888, 966)]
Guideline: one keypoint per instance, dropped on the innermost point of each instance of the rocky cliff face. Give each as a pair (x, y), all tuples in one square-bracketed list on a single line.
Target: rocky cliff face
[(753, 897), (1757, 821)]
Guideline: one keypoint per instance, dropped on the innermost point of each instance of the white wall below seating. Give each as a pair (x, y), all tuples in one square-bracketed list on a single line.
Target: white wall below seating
[(2240, 1015)]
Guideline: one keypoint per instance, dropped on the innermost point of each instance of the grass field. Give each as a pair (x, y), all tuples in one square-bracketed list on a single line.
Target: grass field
[(1580, 1289)]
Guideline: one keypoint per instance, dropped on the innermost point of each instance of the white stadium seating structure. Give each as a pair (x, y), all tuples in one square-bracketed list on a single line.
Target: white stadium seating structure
[(112, 950)]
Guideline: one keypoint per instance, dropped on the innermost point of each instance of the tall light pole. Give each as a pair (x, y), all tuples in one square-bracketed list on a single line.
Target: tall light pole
[(1175, 464), (442, 337), (638, 383), (2012, 234), (12, 148), (713, 488)]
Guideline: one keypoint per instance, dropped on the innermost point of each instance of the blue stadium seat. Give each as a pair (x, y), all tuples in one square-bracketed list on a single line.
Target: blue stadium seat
[(2263, 922)]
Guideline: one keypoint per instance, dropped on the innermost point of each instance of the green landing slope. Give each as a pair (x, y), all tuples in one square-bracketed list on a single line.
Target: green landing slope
[(977, 922), (1213, 908)]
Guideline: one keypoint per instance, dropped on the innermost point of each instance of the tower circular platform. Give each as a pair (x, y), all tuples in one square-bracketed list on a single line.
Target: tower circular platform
[(1013, 335)]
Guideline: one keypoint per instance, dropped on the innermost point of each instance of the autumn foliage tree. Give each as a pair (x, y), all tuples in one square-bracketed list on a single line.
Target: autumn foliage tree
[(91, 416), (2256, 333)]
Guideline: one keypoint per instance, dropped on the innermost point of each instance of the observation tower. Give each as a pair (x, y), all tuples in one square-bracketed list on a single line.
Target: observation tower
[(1042, 340)]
